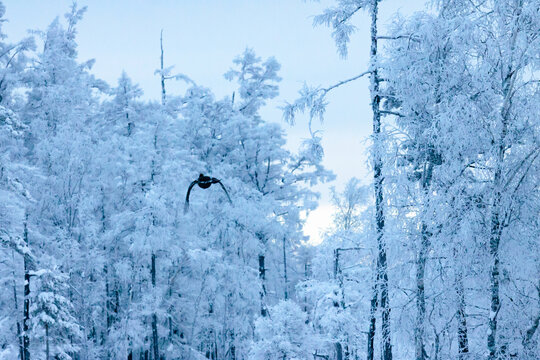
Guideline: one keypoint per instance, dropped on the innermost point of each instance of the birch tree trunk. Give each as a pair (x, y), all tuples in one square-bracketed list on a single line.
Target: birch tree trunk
[(420, 296), (496, 211), (420, 351), (494, 241), (372, 320), (382, 267), (26, 319), (463, 339)]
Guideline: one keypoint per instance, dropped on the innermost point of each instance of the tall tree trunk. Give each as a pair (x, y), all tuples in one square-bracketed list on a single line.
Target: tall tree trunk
[(420, 296), (382, 268), (47, 352), (339, 351), (232, 349), (510, 75), (420, 351), (108, 317), (463, 339), (163, 96), (494, 241), (107, 300), (26, 319), (338, 276), (496, 216), (437, 346), (372, 319), (262, 278), (285, 279), (155, 338), (16, 304), (529, 334), (306, 277), (170, 309)]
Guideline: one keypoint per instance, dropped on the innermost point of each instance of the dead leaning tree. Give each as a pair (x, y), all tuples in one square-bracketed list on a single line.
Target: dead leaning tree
[(204, 182)]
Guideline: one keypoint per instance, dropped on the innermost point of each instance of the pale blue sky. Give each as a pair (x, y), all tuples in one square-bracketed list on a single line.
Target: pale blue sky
[(201, 38)]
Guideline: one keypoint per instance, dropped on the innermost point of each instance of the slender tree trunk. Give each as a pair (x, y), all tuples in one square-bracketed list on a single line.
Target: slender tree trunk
[(338, 276), (420, 297), (494, 241), (437, 346), (47, 352), (107, 300), (372, 319), (382, 268), (232, 348), (262, 277), (16, 304), (108, 317), (170, 309), (285, 279), (163, 96), (496, 225), (155, 338), (463, 339), (129, 123), (26, 319), (306, 277), (420, 351), (527, 339)]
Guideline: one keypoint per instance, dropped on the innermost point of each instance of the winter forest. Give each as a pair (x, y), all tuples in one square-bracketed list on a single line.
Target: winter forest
[(105, 254)]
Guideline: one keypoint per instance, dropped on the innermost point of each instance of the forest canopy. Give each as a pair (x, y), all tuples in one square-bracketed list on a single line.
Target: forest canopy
[(104, 254)]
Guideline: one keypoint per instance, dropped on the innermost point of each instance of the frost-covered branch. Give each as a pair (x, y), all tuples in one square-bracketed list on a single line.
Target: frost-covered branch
[(313, 100)]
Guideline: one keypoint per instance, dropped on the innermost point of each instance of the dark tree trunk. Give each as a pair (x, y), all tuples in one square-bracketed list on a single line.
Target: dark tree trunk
[(496, 225), (338, 276), (461, 315), (47, 352), (494, 252), (155, 338), (163, 96), (437, 346), (372, 320), (420, 351), (285, 279), (16, 304), (382, 267), (527, 342), (463, 339), (107, 299), (420, 297), (26, 310), (262, 277), (339, 351), (306, 277)]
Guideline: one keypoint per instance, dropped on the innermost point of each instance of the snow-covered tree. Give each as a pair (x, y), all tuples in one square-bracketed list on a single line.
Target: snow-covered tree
[(285, 335)]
